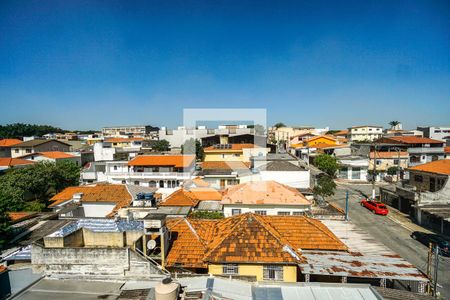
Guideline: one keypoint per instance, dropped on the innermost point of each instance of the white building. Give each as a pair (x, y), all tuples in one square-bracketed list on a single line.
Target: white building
[(125, 131), (54, 156), (354, 168), (441, 133), (365, 133), (264, 198)]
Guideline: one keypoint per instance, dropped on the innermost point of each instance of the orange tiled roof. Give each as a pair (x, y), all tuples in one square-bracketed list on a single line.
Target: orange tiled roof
[(20, 215), (447, 149), (122, 140), (439, 167), (341, 132), (414, 140), (263, 193), (9, 142), (234, 147), (247, 238), (328, 137), (191, 197), (11, 162), (3, 268), (177, 161), (225, 165), (199, 182), (55, 154), (117, 193), (389, 154)]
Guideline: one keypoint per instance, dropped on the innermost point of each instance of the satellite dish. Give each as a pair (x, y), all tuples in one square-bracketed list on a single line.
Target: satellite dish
[(151, 244)]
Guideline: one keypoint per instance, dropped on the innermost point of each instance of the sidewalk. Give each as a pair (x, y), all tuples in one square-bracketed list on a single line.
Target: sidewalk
[(403, 220)]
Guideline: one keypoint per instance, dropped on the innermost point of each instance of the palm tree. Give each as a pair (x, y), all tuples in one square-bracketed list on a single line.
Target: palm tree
[(394, 123)]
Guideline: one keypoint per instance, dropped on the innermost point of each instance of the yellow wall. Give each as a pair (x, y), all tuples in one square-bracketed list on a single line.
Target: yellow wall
[(103, 239), (289, 272), (229, 156), (321, 140)]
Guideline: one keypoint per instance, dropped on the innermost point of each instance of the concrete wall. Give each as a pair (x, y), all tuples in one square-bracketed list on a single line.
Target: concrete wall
[(103, 239), (295, 179), (271, 210), (97, 209), (289, 272)]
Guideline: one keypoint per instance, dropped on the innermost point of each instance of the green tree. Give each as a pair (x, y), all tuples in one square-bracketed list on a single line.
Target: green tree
[(394, 123), (325, 186), (192, 146), (327, 164), (206, 214), (392, 170), (19, 130), (161, 145), (279, 125), (4, 219)]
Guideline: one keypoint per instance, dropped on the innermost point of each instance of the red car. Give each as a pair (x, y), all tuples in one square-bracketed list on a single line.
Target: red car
[(376, 207)]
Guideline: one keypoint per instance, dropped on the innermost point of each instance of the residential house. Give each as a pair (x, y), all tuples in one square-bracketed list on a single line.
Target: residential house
[(33, 146), (203, 199), (91, 201), (221, 174), (388, 159), (117, 142), (327, 140), (283, 168), (7, 163), (286, 134), (266, 248), (353, 168), (162, 171), (299, 139), (420, 150), (365, 133), (441, 133), (233, 152), (426, 196), (53, 156), (265, 198), (5, 146)]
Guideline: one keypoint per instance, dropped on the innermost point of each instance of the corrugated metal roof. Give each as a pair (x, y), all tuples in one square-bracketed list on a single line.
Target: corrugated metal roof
[(99, 225), (21, 254), (358, 265)]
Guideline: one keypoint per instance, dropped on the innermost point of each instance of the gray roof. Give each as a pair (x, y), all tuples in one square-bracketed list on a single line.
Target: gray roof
[(280, 165), (171, 210), (33, 143), (99, 225), (212, 205)]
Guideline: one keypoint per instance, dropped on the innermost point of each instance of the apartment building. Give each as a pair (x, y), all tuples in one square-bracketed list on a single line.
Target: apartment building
[(128, 131), (441, 133), (365, 133)]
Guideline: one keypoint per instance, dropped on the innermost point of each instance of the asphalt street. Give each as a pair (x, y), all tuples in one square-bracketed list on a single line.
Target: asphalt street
[(390, 233)]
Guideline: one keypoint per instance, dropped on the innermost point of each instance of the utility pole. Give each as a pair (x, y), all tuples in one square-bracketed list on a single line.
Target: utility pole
[(346, 205), (430, 257), (374, 176), (436, 266)]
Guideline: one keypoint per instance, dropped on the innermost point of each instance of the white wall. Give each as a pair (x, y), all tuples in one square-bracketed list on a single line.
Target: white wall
[(103, 154), (295, 179), (97, 209), (270, 209)]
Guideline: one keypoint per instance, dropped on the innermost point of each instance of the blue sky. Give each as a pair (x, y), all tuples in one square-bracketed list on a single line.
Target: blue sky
[(88, 64)]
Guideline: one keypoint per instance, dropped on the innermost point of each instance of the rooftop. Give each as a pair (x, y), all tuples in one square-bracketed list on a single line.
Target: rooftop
[(280, 165), (176, 161), (9, 142), (438, 167), (51, 154), (413, 140), (33, 143), (225, 165), (263, 192), (11, 162), (247, 238), (191, 197), (389, 154)]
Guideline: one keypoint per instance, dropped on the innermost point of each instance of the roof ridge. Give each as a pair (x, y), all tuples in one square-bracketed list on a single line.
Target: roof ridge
[(194, 232), (222, 239), (333, 236)]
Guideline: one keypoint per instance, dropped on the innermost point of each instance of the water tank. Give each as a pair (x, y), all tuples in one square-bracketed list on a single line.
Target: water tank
[(166, 290)]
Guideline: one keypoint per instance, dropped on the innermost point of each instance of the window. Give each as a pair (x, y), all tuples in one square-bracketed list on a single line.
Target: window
[(396, 162), (379, 162), (152, 184), (418, 178), (232, 181), (414, 159), (28, 150), (136, 182), (230, 269), (123, 182), (298, 213), (235, 211), (284, 213), (272, 272), (16, 150), (115, 168), (261, 212), (356, 173)]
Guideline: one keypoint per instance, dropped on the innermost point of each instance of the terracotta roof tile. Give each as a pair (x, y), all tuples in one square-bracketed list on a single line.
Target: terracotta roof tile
[(20, 215), (9, 142), (176, 161), (263, 192), (117, 193), (413, 140), (54, 154), (247, 238), (439, 167), (447, 149), (191, 197), (225, 165), (11, 162)]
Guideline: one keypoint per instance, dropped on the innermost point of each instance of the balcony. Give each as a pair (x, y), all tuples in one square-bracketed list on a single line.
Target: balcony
[(151, 175), (426, 150)]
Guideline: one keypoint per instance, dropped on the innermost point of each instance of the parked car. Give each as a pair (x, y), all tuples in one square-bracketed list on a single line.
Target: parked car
[(374, 206), (427, 238)]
